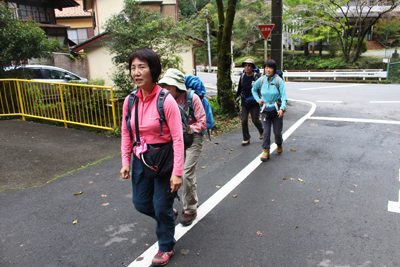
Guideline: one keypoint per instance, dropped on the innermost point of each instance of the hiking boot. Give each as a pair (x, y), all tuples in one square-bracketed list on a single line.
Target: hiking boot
[(162, 258), (261, 136), (187, 219), (279, 148), (245, 143), (265, 155), (175, 213)]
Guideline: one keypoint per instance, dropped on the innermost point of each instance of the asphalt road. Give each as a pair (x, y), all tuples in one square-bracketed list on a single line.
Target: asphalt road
[(330, 199)]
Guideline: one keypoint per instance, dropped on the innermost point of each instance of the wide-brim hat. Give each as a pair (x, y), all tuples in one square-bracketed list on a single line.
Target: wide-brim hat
[(174, 77), (249, 61)]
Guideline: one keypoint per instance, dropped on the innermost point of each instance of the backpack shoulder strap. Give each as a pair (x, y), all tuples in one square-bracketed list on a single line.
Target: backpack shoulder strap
[(277, 83), (132, 98), (189, 102), (160, 107), (261, 84), (241, 78)]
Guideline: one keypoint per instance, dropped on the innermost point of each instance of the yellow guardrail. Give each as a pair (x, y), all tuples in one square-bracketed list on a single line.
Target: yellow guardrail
[(69, 103)]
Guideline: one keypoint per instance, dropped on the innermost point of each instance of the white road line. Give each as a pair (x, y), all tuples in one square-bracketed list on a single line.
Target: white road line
[(144, 260), (354, 120), (384, 102), (344, 85), (327, 101), (394, 206)]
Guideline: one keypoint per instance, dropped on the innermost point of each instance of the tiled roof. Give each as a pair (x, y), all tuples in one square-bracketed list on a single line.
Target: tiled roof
[(69, 12)]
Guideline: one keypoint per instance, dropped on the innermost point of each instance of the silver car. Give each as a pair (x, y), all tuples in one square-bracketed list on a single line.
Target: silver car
[(43, 73)]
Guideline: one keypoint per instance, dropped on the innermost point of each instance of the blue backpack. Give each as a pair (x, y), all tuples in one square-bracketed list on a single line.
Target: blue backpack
[(195, 85)]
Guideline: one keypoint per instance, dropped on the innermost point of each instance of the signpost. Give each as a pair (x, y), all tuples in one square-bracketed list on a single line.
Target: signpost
[(266, 30)]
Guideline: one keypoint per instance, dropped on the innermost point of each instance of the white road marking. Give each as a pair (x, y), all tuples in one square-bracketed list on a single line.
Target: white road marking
[(384, 102), (145, 259), (344, 85), (354, 120), (327, 101), (395, 206)]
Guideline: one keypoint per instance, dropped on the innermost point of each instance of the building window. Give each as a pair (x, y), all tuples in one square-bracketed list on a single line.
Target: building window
[(78, 35)]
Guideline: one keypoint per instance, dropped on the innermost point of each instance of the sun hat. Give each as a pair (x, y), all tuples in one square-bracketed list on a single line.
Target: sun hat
[(249, 61), (174, 77)]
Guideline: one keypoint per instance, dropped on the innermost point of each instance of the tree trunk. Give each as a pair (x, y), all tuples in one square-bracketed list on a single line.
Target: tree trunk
[(320, 48), (224, 80), (306, 52)]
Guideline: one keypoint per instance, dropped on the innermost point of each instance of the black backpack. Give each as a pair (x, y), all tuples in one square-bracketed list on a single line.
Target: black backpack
[(188, 136)]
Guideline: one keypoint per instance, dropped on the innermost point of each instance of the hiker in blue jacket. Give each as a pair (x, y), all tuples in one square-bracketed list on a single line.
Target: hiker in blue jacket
[(249, 104), (273, 104)]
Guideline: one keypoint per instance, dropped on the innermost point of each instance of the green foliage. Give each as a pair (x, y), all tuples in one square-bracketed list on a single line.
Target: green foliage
[(396, 42), (310, 62), (387, 27), (215, 107), (21, 40), (137, 27), (364, 45)]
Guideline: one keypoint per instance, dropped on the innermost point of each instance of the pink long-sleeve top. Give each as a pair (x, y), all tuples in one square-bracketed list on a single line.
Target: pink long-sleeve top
[(149, 126), (199, 122)]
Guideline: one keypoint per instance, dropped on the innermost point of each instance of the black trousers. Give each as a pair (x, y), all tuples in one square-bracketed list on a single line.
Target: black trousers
[(255, 117)]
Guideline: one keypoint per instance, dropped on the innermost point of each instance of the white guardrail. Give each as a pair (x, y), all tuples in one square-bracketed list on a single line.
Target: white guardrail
[(350, 73)]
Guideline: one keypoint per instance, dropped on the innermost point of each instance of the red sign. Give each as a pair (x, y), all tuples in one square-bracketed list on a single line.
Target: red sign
[(266, 29)]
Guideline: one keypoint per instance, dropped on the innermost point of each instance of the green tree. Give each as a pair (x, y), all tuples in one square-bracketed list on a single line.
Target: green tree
[(137, 27), (348, 20), (21, 40), (387, 28), (224, 34), (352, 20)]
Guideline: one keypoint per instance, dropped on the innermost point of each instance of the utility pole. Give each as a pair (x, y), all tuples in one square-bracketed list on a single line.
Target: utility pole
[(276, 35), (208, 44)]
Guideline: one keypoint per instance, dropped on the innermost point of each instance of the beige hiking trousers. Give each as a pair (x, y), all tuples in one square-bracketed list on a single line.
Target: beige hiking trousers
[(189, 188)]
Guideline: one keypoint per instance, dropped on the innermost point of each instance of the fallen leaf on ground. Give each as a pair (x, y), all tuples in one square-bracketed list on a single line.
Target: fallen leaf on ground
[(231, 149), (146, 245), (97, 174), (296, 227), (203, 167), (300, 180), (103, 195), (355, 185), (184, 251), (293, 149), (218, 186), (316, 201), (319, 190), (292, 179), (222, 159), (351, 191), (216, 143), (259, 233), (75, 222), (140, 259), (234, 196), (273, 200), (78, 193), (105, 204), (91, 182), (285, 178)]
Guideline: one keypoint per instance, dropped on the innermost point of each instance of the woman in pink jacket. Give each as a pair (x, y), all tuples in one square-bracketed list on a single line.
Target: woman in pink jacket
[(153, 197)]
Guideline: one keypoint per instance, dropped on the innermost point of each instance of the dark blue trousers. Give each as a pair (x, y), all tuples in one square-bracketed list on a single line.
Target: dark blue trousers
[(149, 197)]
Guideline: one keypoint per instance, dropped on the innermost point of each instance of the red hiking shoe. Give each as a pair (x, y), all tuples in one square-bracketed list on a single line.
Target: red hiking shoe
[(162, 258)]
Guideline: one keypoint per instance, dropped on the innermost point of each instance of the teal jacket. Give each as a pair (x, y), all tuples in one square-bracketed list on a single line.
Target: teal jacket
[(269, 92)]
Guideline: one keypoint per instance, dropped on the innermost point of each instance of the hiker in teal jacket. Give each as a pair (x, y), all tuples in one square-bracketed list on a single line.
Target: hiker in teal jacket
[(272, 100)]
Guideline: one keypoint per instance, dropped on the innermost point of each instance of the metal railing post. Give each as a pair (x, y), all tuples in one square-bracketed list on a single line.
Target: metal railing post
[(113, 108), (20, 100), (62, 106)]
